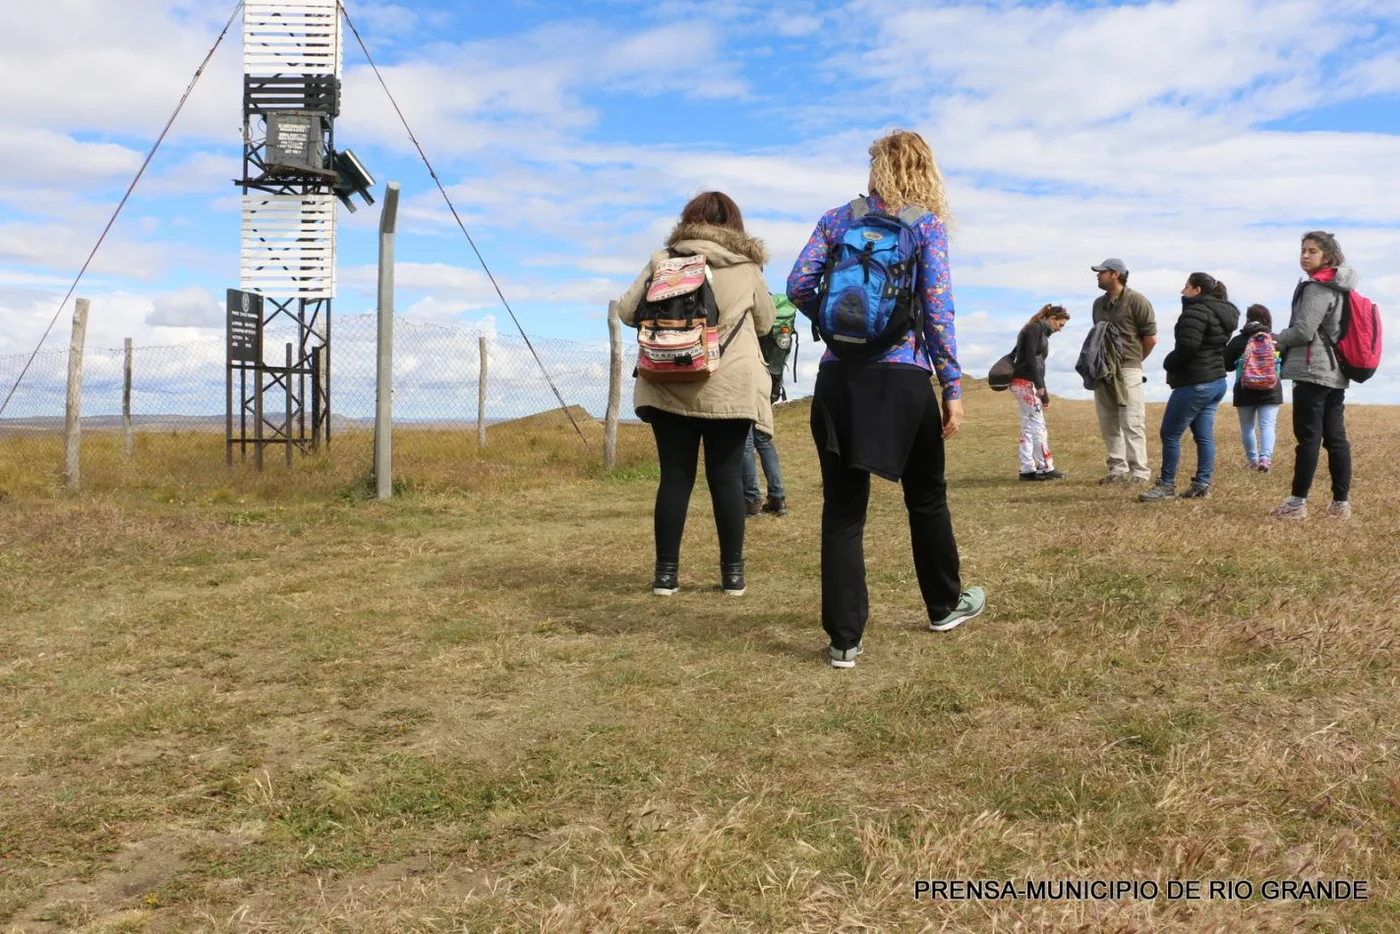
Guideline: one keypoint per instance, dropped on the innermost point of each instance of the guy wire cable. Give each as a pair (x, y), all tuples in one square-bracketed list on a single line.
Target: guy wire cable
[(130, 188), (455, 216)]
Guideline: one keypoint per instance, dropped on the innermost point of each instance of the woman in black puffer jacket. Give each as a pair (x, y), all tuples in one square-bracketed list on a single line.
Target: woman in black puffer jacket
[(1196, 372)]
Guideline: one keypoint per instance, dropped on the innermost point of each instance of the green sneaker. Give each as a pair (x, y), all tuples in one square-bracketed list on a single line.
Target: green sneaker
[(972, 602), (1158, 493), (844, 658)]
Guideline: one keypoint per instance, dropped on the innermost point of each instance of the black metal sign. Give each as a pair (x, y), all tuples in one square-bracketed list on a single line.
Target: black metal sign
[(245, 317)]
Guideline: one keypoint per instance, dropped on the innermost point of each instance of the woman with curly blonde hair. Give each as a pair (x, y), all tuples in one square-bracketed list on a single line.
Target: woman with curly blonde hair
[(874, 409)]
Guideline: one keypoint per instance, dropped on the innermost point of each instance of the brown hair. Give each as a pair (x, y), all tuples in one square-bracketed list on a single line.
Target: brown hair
[(1209, 285), (1261, 314), (1331, 250), (1049, 311), (713, 207)]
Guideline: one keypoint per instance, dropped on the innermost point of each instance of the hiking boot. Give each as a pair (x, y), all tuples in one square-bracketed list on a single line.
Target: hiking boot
[(1290, 510), (1050, 474), (752, 509), (1196, 491), (972, 602), (1263, 465), (731, 578), (1113, 478), (1338, 510), (667, 580), (844, 658), (777, 505), (1158, 493), (1033, 475), (1251, 464)]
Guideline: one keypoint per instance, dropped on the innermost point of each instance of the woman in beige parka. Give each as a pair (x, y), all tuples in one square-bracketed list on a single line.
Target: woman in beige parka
[(719, 410)]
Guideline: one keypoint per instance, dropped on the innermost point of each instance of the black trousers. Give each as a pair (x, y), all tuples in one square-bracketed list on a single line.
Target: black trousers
[(1319, 421), (678, 440), (845, 499)]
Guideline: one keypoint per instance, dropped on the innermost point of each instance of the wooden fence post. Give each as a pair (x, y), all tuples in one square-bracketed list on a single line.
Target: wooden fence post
[(481, 393), (614, 388), (72, 426), (287, 385), (126, 401)]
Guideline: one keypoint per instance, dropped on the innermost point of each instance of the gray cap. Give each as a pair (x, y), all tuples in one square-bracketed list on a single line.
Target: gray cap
[(1112, 263)]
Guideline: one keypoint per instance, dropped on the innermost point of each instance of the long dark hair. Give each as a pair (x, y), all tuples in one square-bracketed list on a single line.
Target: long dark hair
[(1209, 285), (713, 207), (1260, 314)]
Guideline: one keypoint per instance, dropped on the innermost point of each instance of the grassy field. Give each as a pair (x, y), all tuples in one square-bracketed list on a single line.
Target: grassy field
[(231, 703)]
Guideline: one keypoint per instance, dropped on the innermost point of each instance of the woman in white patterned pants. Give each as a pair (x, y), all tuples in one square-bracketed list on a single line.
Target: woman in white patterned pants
[(1032, 398)]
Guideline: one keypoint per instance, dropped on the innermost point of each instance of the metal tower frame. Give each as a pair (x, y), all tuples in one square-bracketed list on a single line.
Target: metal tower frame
[(291, 90)]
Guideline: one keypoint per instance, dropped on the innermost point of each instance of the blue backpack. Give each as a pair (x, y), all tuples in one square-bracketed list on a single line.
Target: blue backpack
[(867, 301)]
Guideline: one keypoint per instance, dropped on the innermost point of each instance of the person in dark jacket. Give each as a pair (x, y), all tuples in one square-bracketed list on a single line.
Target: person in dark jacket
[(1196, 372), (1032, 398), (1258, 407), (879, 415)]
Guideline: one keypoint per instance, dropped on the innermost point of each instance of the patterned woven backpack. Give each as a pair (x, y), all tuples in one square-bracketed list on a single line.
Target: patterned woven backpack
[(1259, 366)]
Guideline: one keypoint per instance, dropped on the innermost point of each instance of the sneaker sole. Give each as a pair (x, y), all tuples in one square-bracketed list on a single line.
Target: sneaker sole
[(944, 627), (736, 593), (665, 591), (843, 664)]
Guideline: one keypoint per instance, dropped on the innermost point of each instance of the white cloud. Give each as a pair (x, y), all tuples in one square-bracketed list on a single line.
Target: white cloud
[(37, 156), (193, 307)]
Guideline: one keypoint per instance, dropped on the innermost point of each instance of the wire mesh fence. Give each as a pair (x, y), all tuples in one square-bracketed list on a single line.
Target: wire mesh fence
[(449, 424)]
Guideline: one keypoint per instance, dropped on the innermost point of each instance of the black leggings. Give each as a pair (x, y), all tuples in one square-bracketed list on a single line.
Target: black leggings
[(678, 446), (845, 501), (1319, 421)]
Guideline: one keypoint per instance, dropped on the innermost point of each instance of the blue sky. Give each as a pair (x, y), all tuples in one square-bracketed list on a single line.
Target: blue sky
[(1199, 134)]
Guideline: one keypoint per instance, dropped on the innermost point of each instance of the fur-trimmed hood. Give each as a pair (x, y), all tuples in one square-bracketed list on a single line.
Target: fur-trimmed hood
[(722, 246)]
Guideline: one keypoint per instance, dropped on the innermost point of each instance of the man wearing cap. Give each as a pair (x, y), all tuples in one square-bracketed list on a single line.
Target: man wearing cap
[(1124, 427)]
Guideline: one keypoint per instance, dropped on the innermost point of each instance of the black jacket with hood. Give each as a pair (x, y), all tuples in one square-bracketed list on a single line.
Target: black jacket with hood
[(1233, 351), (1205, 325)]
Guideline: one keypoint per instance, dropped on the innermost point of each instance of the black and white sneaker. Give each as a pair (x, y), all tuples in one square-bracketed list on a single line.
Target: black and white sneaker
[(666, 582), (731, 577)]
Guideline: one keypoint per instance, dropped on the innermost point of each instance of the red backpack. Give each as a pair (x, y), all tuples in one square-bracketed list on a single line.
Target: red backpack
[(1358, 345)]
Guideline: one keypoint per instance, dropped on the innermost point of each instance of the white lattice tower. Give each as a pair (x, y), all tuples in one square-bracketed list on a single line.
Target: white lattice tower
[(288, 241)]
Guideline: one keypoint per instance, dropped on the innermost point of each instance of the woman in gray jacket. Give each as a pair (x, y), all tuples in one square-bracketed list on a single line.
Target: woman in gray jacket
[(1319, 388)]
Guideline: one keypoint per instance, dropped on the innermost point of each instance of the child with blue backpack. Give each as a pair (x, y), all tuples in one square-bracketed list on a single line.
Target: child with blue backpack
[(1258, 392), (874, 279)]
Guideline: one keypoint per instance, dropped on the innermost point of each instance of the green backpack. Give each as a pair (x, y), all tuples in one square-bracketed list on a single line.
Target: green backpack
[(780, 342)]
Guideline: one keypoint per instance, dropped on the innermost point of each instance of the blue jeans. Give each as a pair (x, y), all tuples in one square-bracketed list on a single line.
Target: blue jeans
[(1193, 407), (1267, 416), (769, 456)]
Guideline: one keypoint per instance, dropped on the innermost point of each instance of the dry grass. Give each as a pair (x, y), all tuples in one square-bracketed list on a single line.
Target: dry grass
[(463, 711)]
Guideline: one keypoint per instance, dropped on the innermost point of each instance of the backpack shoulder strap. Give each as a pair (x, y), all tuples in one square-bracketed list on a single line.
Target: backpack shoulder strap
[(734, 331), (910, 214), (860, 207)]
